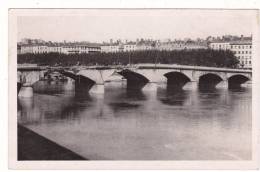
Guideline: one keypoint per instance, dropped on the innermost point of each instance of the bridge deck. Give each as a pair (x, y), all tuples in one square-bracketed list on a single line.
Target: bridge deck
[(139, 66), (201, 68)]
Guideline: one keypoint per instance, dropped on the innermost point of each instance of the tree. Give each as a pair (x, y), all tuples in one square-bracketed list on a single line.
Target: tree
[(199, 57)]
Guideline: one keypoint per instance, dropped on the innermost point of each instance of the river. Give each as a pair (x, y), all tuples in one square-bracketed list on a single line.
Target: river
[(131, 125)]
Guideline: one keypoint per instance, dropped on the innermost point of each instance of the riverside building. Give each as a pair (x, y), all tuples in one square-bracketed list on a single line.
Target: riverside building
[(241, 48), (243, 52), (65, 49)]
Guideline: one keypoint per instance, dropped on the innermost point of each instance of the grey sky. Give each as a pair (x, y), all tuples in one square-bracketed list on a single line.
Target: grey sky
[(101, 25)]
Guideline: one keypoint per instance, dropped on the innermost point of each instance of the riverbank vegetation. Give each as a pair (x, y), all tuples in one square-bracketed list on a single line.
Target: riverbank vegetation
[(202, 57)]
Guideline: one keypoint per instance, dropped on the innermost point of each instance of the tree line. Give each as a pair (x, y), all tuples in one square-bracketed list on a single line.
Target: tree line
[(200, 57)]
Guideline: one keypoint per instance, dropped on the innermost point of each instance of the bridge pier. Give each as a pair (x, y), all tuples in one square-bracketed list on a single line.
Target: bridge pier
[(222, 85), (97, 89), (191, 85), (247, 84), (26, 91), (150, 86)]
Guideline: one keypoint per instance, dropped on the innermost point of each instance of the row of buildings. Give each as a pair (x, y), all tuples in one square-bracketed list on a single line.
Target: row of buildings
[(104, 48), (240, 46), (57, 48)]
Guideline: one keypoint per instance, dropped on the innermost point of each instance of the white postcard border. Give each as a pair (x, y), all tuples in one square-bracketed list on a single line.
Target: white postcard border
[(14, 164)]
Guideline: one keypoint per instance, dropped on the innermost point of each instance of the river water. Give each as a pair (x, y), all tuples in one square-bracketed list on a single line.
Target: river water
[(130, 125)]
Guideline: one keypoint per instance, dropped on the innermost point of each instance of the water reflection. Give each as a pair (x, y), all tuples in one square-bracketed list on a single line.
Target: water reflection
[(53, 87), (170, 96), (134, 125), (124, 94)]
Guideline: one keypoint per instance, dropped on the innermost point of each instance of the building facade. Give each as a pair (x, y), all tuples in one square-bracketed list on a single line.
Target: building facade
[(39, 49), (144, 47), (65, 49), (80, 49), (129, 47), (55, 49), (109, 48), (220, 45), (26, 49), (172, 46), (242, 50)]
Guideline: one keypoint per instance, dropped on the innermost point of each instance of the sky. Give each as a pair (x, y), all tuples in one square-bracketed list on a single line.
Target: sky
[(103, 25)]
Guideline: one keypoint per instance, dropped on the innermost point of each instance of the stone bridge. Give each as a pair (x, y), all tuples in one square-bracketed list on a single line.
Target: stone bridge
[(143, 76)]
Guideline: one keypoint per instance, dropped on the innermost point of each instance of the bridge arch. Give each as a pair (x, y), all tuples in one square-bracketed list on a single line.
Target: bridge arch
[(82, 83), (134, 79), (176, 79), (209, 80), (69, 74), (236, 80)]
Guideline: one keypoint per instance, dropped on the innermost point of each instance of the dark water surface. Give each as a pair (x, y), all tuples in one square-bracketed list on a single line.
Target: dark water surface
[(130, 125)]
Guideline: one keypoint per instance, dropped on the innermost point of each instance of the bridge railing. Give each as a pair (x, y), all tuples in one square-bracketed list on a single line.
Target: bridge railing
[(138, 66), (176, 66)]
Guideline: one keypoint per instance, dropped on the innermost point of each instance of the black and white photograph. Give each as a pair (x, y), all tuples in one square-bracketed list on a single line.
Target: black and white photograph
[(133, 84)]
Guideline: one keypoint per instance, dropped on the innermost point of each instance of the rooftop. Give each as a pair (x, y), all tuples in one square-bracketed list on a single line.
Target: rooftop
[(242, 42)]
